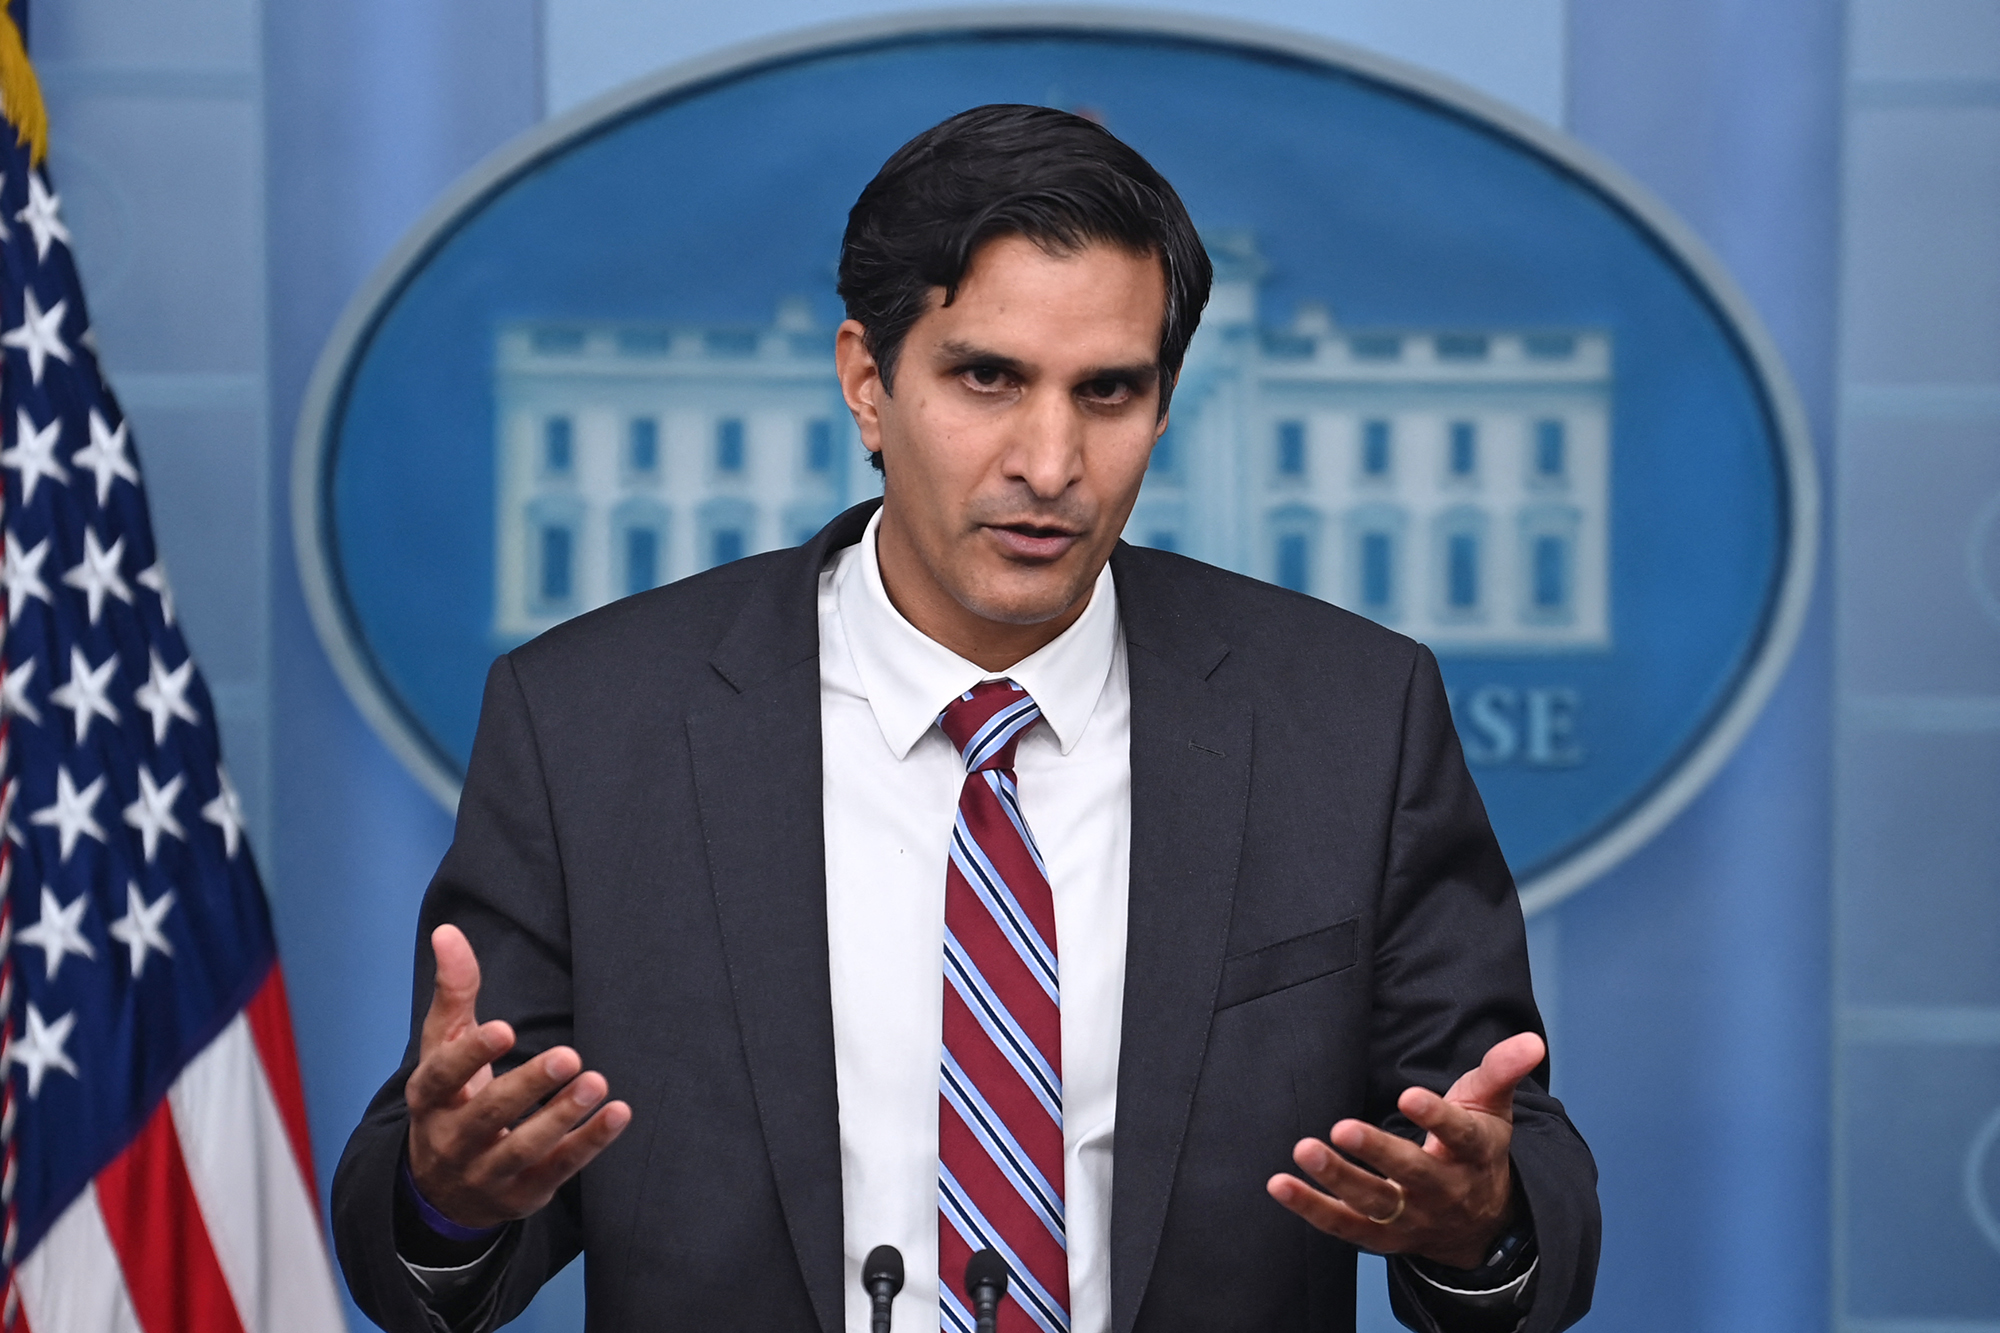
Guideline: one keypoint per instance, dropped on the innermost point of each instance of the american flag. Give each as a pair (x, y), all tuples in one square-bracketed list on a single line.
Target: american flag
[(157, 1172)]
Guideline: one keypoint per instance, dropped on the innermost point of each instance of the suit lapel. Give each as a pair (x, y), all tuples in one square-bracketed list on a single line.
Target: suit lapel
[(758, 782), (1190, 788)]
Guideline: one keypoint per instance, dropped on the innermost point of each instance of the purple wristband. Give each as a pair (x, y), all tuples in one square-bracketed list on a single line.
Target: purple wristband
[(437, 1221)]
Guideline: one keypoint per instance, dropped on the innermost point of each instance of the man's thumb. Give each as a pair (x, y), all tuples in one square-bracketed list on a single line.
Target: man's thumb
[(457, 974), (1491, 1085)]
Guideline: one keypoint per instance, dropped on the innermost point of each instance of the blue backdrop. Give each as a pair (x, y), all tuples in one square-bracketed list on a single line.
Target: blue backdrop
[(715, 206), (268, 157)]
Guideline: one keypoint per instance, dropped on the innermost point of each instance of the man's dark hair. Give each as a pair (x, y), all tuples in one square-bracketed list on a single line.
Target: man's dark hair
[(1055, 178)]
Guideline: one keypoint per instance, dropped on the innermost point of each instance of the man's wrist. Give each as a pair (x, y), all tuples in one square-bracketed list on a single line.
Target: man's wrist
[(426, 1236), (1504, 1280)]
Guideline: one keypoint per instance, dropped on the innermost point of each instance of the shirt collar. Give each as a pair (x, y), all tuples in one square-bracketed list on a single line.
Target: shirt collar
[(909, 677)]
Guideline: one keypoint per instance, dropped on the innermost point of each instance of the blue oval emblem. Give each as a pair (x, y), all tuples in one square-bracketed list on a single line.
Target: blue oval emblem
[(1458, 375)]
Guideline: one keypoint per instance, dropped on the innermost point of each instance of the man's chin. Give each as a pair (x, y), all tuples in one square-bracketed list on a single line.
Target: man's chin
[(1033, 605)]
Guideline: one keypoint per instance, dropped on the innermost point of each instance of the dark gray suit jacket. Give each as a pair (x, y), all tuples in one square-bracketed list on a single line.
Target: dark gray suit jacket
[(1320, 917)]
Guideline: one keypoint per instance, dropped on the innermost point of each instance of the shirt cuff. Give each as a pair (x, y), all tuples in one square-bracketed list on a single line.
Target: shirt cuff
[(1485, 1298), (446, 1291), (456, 1270), (441, 1284)]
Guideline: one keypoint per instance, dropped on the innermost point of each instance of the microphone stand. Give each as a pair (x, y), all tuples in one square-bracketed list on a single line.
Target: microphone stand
[(986, 1284), (882, 1278)]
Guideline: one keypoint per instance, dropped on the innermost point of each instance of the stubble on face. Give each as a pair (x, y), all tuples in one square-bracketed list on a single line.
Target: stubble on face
[(1015, 441)]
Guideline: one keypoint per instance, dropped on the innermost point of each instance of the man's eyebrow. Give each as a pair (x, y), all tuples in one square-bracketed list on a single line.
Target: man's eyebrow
[(955, 351), (961, 353), (1141, 374)]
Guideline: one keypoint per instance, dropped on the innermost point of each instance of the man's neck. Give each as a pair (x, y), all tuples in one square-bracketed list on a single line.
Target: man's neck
[(992, 645)]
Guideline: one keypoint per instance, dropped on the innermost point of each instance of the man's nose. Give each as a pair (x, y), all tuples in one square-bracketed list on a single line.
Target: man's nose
[(1047, 449)]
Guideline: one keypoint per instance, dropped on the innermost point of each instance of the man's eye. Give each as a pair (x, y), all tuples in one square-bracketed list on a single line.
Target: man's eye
[(986, 377), (1106, 391)]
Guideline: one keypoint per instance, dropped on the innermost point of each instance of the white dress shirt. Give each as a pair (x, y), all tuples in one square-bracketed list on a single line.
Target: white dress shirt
[(892, 782)]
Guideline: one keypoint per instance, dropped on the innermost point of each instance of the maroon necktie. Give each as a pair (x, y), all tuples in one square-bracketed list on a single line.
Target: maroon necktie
[(1000, 1137)]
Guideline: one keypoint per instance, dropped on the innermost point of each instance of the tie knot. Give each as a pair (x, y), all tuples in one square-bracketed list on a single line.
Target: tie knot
[(986, 721)]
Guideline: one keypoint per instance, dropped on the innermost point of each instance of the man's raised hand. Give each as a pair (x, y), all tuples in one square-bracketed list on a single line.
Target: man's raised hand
[(1447, 1200), (473, 1155)]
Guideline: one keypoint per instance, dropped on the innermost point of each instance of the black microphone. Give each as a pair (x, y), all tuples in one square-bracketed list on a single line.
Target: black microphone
[(882, 1275), (986, 1284)]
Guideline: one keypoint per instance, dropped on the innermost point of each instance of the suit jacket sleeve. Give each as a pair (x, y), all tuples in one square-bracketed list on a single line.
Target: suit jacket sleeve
[(501, 882), (1452, 980)]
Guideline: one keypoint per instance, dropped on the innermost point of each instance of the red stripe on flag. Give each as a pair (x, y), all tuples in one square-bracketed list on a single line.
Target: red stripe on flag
[(162, 1242), (270, 1019)]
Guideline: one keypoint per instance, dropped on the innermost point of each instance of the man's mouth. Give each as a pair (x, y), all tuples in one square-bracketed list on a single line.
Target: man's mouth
[(1034, 541)]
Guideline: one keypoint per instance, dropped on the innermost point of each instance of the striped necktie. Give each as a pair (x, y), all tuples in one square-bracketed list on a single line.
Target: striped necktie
[(1000, 1136)]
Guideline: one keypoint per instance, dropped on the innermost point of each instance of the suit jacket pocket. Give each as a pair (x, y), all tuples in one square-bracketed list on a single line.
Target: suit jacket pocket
[(1292, 962)]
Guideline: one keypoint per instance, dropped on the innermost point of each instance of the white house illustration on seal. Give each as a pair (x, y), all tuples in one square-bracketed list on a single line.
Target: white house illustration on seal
[(1451, 483)]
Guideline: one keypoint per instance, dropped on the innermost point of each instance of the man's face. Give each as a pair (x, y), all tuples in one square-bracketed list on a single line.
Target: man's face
[(1014, 444)]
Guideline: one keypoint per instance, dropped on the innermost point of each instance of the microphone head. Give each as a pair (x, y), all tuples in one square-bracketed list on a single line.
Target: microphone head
[(986, 1269), (884, 1264)]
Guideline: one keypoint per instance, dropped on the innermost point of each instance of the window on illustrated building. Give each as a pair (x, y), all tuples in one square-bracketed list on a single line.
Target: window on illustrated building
[(1549, 580), (1375, 449), (639, 551), (819, 446), (1294, 533), (726, 530), (1551, 452), (1374, 554), (1291, 459), (558, 579), (1548, 563), (729, 445), (554, 580), (642, 445), (1462, 456), (558, 445), (1459, 553), (642, 559)]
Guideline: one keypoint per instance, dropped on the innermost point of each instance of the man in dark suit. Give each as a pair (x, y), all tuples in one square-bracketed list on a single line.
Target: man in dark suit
[(885, 876)]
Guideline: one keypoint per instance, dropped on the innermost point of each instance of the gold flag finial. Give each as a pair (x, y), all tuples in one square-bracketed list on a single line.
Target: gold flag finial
[(21, 93)]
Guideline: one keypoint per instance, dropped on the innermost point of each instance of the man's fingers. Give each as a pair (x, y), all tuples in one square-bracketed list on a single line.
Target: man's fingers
[(1384, 1153), (450, 1066), (1490, 1087), (456, 992), (1370, 1195), (1469, 1135), (549, 1138), (550, 1147), (501, 1105), (1322, 1210)]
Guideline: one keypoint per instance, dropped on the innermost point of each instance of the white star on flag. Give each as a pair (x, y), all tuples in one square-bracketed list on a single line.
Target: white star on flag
[(139, 929), (34, 454), (39, 334), (40, 1048), (84, 694), (40, 215), (14, 699), (58, 932), (105, 456), (5, 234), (23, 575), (226, 813), (153, 813), (154, 576), (72, 815), (97, 573), (164, 695)]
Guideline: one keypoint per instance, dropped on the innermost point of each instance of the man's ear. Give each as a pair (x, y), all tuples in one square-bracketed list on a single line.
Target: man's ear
[(860, 382)]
